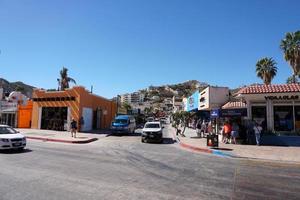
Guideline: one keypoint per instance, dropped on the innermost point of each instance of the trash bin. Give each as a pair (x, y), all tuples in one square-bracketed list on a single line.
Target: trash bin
[(212, 140)]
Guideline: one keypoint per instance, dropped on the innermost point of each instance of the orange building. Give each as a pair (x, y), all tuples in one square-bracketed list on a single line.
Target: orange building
[(54, 110), (24, 115)]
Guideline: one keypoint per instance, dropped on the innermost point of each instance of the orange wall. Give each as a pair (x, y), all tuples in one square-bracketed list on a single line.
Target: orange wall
[(24, 115), (83, 99)]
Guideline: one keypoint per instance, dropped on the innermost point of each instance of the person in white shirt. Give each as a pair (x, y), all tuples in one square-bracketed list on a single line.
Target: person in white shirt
[(257, 131)]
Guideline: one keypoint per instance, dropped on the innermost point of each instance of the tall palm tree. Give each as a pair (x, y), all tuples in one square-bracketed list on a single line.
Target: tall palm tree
[(291, 48), (266, 69), (65, 79)]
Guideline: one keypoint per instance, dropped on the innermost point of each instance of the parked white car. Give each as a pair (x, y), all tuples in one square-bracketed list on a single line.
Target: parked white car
[(11, 139)]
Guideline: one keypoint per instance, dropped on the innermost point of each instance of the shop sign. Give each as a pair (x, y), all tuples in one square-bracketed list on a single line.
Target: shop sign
[(215, 113), (192, 102), (234, 112), (9, 106), (283, 97)]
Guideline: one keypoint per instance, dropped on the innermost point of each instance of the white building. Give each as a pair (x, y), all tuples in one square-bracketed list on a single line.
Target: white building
[(275, 107), (130, 98), (213, 98), (177, 104)]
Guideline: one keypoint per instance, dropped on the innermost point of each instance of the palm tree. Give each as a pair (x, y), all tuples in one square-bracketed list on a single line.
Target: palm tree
[(291, 48), (266, 69), (291, 79), (64, 79)]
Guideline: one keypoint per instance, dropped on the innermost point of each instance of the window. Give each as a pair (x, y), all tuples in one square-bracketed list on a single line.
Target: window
[(259, 115), (283, 118)]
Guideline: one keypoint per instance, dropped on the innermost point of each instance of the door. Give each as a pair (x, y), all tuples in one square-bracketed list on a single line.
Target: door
[(87, 114)]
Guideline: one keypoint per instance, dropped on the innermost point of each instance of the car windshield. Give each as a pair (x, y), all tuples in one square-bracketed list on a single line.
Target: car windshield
[(7, 130), (121, 121), (152, 126)]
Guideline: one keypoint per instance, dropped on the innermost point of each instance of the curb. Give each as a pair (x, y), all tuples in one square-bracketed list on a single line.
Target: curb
[(202, 150), (62, 141)]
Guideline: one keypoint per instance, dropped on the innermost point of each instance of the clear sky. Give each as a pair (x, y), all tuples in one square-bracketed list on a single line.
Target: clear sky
[(120, 46)]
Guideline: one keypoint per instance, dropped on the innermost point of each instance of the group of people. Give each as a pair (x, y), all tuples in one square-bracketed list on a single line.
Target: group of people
[(231, 131), (203, 128)]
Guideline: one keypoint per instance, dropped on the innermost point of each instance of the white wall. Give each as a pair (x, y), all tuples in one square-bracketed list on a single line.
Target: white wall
[(87, 114)]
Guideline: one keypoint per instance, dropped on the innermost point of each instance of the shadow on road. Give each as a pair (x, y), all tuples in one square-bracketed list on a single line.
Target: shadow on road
[(168, 141), (15, 151), (125, 134)]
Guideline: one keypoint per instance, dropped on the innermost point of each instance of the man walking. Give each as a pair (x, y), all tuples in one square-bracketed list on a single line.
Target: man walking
[(73, 128), (257, 131)]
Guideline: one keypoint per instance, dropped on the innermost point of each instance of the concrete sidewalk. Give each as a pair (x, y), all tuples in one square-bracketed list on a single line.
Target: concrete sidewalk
[(275, 153), (63, 136)]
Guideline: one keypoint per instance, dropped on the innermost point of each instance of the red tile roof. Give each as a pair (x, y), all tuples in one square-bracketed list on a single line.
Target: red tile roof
[(262, 89), (234, 105)]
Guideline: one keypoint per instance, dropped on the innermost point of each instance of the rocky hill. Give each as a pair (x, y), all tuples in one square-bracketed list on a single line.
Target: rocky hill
[(16, 86), (168, 91)]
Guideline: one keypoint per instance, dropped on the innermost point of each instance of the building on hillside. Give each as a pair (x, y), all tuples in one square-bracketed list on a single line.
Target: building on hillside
[(130, 98), (54, 110), (275, 107), (177, 104)]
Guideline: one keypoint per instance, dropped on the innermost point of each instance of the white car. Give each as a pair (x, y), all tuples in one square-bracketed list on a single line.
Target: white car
[(11, 139), (152, 131)]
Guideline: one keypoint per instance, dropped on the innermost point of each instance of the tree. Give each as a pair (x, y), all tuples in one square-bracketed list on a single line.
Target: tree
[(292, 79), (127, 106), (291, 48), (64, 79), (180, 121), (266, 69)]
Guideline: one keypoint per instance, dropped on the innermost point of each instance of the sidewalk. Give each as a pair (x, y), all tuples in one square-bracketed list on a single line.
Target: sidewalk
[(63, 136), (275, 153)]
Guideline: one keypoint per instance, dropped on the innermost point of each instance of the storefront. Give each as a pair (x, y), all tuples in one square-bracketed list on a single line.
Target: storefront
[(275, 107), (54, 110), (8, 113)]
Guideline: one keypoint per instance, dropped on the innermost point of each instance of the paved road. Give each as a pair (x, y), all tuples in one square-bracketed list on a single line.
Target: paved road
[(124, 168)]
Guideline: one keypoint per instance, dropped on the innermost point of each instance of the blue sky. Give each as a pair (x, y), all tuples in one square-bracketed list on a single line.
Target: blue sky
[(120, 46)]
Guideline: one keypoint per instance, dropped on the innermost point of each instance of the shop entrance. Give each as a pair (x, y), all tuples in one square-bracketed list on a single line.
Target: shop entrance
[(283, 118), (54, 118), (259, 115), (8, 119)]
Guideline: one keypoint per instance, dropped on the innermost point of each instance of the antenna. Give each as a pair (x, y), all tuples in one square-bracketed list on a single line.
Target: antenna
[(92, 89)]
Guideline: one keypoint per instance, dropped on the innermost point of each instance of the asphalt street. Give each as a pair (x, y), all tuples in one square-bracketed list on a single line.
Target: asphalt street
[(124, 168)]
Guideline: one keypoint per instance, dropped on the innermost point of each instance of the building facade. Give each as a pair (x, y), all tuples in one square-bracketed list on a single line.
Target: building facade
[(275, 107), (54, 110), (130, 98)]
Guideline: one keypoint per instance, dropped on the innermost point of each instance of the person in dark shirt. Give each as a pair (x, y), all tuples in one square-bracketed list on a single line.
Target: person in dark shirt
[(73, 127)]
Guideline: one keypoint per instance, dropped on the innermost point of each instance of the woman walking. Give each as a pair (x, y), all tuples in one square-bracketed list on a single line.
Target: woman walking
[(234, 132)]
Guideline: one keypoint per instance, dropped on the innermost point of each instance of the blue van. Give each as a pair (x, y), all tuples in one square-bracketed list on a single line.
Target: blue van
[(123, 124)]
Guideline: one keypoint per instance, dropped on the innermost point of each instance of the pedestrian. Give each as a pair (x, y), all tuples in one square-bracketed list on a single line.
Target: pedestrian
[(234, 132), (227, 132), (73, 127), (198, 128), (257, 131), (203, 128)]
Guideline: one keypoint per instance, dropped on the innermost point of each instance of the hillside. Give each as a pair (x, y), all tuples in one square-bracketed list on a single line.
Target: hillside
[(16, 86), (168, 91)]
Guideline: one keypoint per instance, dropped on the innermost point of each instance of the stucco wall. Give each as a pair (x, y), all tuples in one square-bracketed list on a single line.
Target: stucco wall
[(82, 99)]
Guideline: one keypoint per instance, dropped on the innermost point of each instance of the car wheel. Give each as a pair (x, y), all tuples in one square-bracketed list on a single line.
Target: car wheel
[(143, 141)]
